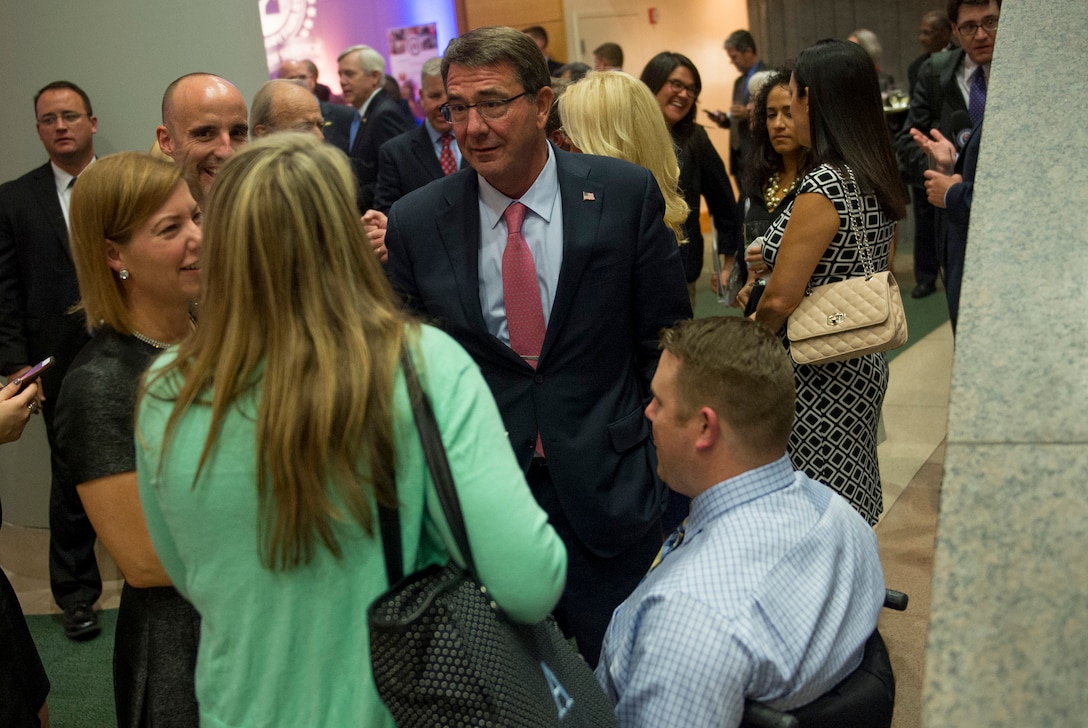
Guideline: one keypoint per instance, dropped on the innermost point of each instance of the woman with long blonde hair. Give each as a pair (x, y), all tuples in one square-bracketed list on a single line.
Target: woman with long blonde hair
[(613, 114), (267, 440)]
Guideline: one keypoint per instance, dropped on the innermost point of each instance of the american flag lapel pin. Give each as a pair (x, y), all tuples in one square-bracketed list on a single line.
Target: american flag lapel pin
[(588, 197)]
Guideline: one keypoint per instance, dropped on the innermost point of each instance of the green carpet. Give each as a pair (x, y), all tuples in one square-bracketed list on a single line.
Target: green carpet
[(80, 673)]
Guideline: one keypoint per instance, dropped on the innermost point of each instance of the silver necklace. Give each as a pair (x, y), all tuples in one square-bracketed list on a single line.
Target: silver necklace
[(151, 342)]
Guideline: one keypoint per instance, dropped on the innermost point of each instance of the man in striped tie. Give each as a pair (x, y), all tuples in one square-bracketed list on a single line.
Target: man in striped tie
[(772, 586), (947, 102), (421, 155)]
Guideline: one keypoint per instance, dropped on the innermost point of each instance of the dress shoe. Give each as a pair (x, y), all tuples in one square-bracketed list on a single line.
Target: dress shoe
[(923, 289), (80, 621)]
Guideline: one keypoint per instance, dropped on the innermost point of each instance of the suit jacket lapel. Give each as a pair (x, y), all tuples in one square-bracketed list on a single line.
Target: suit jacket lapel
[(583, 201), (459, 231), (424, 151), (950, 85), (45, 190)]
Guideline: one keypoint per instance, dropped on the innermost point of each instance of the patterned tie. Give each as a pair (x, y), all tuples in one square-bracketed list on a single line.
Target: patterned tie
[(355, 124), (976, 102), (446, 158), (521, 294), (671, 543)]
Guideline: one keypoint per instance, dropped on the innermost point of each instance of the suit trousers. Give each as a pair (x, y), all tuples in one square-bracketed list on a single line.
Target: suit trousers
[(596, 585), (73, 568), (925, 237)]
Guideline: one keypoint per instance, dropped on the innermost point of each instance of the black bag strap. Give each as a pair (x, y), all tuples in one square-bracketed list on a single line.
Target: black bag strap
[(434, 452)]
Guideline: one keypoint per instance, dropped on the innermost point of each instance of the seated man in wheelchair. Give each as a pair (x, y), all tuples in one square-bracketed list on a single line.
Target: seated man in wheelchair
[(771, 587)]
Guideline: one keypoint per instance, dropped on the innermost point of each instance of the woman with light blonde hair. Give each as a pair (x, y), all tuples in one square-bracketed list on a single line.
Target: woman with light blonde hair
[(135, 241), (613, 114), (267, 440)]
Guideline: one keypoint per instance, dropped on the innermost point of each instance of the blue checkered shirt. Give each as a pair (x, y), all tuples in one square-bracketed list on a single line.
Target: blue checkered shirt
[(770, 596)]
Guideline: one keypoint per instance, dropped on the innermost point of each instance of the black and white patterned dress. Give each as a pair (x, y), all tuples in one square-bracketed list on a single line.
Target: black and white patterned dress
[(838, 404)]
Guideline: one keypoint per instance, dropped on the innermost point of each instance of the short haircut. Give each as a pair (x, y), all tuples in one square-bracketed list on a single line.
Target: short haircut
[(369, 59), (262, 110), (741, 40), (537, 32), (168, 95), (611, 53), (432, 67), (576, 70), (739, 369), (112, 199), (954, 7), (60, 86), (938, 20), (494, 45), (311, 67), (870, 43)]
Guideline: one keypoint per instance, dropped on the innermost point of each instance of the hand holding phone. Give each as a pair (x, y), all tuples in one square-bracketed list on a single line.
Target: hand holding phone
[(32, 374)]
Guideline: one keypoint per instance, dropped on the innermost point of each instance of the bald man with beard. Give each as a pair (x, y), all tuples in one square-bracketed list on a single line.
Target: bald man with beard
[(203, 124)]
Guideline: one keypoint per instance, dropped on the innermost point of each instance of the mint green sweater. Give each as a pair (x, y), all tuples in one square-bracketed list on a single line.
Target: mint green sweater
[(290, 648)]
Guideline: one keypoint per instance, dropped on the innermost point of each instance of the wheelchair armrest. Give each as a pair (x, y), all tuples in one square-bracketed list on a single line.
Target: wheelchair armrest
[(757, 715), (896, 600)]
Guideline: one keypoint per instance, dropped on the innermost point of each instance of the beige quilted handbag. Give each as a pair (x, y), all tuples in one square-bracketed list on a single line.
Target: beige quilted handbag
[(849, 318)]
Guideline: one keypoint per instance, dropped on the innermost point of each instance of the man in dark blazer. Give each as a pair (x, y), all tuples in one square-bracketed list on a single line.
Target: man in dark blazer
[(378, 117), (941, 98), (338, 120), (37, 287), (411, 160), (606, 278), (740, 46)]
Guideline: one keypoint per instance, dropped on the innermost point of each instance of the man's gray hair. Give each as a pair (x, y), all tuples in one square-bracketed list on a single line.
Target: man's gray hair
[(369, 59)]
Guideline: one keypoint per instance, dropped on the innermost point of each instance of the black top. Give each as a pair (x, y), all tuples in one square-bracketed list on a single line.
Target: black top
[(97, 406), (155, 645), (702, 174)]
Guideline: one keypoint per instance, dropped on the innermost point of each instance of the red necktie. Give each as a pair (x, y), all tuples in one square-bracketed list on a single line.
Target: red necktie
[(524, 311), (449, 164)]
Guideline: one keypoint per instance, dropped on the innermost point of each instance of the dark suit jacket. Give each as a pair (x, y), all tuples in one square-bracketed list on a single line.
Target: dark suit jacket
[(958, 214), (337, 124), (935, 98), (384, 120), (37, 280), (621, 281), (406, 163)]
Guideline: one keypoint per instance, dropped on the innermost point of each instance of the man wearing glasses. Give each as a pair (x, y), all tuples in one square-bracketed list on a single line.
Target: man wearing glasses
[(949, 98), (556, 272), (37, 287)]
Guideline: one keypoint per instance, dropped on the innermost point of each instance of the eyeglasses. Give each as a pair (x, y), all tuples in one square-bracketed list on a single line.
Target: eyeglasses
[(969, 29), (70, 117), (491, 109), (677, 86)]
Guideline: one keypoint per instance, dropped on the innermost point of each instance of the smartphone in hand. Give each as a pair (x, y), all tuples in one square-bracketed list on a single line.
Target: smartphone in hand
[(32, 374), (719, 117)]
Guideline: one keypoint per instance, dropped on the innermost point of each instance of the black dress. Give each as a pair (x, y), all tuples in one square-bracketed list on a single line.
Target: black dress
[(155, 647), (702, 175), (838, 404)]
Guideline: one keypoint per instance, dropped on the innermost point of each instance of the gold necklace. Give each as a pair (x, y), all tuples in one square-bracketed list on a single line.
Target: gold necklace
[(772, 196)]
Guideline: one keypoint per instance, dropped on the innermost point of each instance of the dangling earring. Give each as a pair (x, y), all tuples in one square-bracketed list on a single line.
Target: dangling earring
[(123, 274)]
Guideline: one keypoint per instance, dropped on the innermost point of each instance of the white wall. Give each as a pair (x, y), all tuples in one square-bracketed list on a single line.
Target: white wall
[(123, 53), (695, 28)]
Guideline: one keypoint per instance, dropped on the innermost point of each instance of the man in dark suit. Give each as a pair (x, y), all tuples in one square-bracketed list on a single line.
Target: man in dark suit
[(950, 93), (37, 287), (740, 46), (378, 117), (951, 187), (337, 117), (424, 154), (934, 34), (556, 272)]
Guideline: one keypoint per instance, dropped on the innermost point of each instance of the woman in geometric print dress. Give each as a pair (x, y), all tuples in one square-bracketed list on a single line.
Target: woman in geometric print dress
[(838, 115)]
